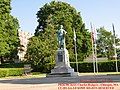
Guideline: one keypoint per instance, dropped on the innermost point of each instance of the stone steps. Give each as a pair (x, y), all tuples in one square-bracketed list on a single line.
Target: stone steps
[(59, 75)]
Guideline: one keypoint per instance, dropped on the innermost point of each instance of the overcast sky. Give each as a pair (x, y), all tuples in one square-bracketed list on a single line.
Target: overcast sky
[(99, 12)]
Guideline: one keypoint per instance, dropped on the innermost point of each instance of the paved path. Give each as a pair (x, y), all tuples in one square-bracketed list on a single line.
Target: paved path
[(58, 83), (28, 86)]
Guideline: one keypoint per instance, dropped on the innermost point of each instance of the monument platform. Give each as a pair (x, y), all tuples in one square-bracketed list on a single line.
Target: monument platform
[(62, 67)]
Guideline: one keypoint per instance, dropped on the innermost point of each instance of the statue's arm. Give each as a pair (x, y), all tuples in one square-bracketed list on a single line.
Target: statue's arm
[(65, 31)]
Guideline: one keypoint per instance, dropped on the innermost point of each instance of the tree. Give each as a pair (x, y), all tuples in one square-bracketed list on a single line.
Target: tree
[(105, 43), (39, 54), (50, 17), (8, 31)]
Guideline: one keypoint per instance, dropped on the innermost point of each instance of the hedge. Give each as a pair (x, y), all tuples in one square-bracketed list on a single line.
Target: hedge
[(4, 72), (109, 66), (12, 65)]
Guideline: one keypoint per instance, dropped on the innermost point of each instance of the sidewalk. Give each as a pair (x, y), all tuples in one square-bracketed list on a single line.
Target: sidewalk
[(28, 86), (100, 73), (43, 83), (43, 75)]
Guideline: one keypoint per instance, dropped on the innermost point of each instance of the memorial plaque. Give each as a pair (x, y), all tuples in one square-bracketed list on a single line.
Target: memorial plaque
[(60, 57)]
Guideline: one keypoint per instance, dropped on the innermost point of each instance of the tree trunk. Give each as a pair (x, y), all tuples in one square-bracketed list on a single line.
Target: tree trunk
[(1, 59)]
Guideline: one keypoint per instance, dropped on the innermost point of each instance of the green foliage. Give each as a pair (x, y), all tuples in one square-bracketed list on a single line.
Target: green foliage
[(39, 54), (83, 67), (110, 66), (105, 43), (42, 48), (8, 31), (4, 72), (5, 6), (12, 65), (102, 66)]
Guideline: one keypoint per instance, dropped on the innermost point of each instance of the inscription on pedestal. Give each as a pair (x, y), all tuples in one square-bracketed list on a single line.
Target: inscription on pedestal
[(60, 57)]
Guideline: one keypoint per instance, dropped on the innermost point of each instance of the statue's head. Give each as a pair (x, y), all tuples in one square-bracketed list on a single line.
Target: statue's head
[(61, 26)]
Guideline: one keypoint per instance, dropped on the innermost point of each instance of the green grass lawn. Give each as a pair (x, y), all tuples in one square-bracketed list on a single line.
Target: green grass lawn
[(32, 75), (41, 75)]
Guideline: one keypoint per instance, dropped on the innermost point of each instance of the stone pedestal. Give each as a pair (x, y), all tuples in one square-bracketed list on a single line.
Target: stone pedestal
[(62, 67)]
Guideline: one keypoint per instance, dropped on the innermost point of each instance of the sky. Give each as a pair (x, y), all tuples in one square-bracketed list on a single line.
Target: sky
[(98, 12)]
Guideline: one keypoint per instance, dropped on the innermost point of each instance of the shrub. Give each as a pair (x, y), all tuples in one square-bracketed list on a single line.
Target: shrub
[(4, 72), (83, 67), (43, 68), (12, 65), (109, 66)]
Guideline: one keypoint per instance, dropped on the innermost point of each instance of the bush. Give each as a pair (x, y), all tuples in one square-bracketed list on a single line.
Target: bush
[(4, 72), (43, 68), (109, 66), (12, 65), (83, 67)]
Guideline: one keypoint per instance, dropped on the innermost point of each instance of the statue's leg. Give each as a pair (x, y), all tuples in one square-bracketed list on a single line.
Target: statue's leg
[(60, 45)]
